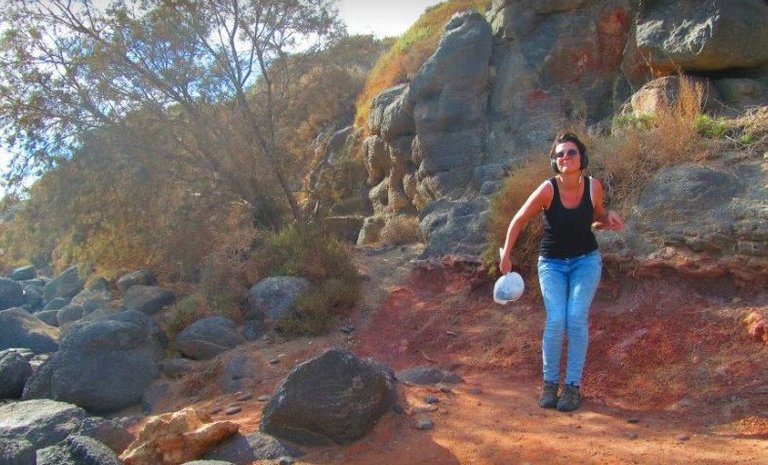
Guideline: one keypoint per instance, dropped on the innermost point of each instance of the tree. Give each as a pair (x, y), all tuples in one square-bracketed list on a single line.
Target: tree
[(215, 73)]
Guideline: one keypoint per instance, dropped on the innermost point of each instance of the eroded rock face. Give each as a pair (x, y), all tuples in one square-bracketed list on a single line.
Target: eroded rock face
[(334, 398), (178, 437), (710, 35)]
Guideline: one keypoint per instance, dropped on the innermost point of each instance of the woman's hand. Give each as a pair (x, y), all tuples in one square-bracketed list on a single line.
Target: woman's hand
[(610, 221), (505, 264)]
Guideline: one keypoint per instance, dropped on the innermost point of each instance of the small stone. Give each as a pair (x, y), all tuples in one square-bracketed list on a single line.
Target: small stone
[(682, 437), (232, 409), (443, 388), (274, 361), (736, 300), (242, 396), (264, 398), (285, 460), (632, 435), (633, 420), (216, 409), (424, 423), (476, 390), (397, 409), (424, 409), (431, 399), (348, 329)]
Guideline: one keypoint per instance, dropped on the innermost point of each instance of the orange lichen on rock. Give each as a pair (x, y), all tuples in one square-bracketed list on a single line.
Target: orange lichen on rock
[(177, 437), (757, 326)]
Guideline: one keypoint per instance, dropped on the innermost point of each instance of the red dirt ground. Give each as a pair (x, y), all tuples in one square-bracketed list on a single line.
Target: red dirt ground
[(672, 376)]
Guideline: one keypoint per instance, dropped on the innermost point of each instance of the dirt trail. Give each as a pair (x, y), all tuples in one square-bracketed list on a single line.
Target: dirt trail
[(671, 376)]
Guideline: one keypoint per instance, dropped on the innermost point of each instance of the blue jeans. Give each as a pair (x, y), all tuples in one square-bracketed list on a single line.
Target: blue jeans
[(567, 286)]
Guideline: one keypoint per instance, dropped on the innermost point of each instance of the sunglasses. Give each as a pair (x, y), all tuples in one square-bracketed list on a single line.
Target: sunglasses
[(569, 152)]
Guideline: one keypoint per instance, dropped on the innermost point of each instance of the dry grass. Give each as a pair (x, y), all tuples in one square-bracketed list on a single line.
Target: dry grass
[(202, 382), (400, 230), (516, 189), (627, 158), (409, 52)]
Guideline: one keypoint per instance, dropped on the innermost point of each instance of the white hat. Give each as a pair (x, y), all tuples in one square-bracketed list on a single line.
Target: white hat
[(508, 288)]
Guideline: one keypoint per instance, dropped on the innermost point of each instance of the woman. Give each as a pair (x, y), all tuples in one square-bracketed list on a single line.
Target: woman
[(569, 263)]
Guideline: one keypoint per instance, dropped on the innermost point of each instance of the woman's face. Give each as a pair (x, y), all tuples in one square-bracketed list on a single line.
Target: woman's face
[(568, 158)]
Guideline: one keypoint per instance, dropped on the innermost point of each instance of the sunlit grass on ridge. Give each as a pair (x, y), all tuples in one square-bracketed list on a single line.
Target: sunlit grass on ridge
[(410, 51)]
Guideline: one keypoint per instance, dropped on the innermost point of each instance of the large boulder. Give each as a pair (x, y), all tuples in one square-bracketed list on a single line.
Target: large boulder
[(706, 36), (11, 294), (177, 437), (66, 285), (244, 450), (275, 297), (42, 422), (334, 398), (38, 385), (663, 210), (105, 365), (148, 299), (19, 328), (14, 372), (208, 337), (23, 273), (142, 277), (77, 450)]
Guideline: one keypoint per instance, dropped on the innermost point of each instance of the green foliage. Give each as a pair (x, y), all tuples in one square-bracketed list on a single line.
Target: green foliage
[(632, 121), (320, 307), (710, 127)]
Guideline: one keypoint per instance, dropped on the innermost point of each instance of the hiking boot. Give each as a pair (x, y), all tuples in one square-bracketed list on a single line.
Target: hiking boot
[(570, 398), (548, 398)]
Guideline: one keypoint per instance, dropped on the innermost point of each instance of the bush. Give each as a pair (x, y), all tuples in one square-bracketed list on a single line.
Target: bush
[(520, 183), (400, 230), (710, 127), (322, 259)]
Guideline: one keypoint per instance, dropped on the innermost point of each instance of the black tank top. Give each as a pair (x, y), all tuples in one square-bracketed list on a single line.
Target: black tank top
[(568, 231)]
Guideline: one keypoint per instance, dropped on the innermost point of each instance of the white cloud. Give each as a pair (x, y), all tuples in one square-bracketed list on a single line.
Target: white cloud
[(381, 18)]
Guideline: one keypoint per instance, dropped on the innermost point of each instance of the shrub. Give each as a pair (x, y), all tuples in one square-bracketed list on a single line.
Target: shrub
[(400, 230), (311, 254), (710, 127), (520, 183)]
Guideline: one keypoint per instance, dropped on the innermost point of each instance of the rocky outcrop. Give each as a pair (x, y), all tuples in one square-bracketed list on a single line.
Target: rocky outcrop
[(552, 63), (175, 438), (712, 35), (427, 137), (334, 398)]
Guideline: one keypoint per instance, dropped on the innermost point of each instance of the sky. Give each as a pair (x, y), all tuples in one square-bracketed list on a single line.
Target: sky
[(377, 17), (381, 18)]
